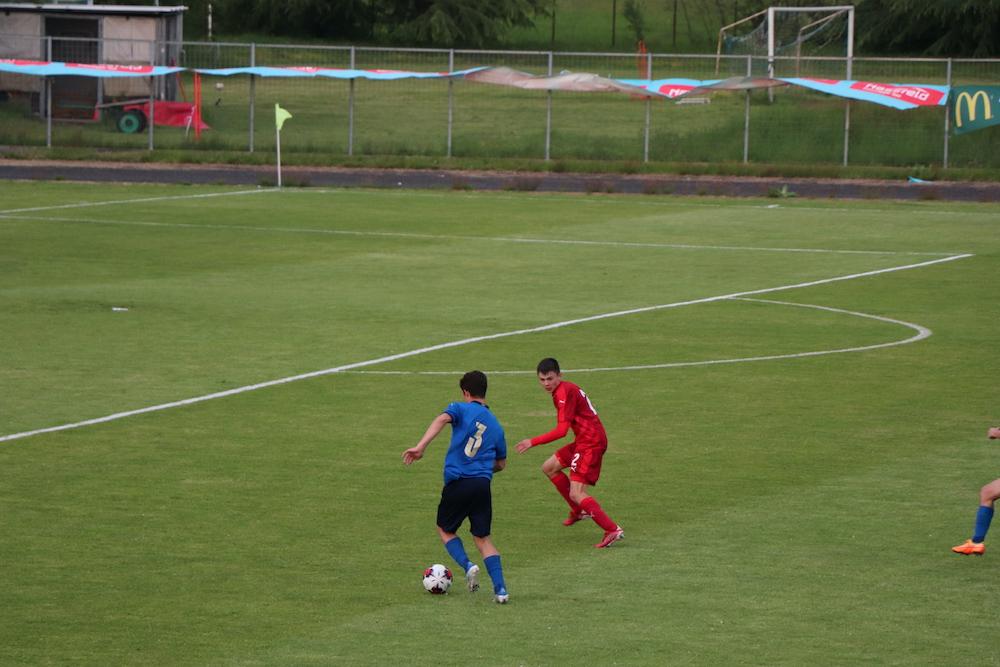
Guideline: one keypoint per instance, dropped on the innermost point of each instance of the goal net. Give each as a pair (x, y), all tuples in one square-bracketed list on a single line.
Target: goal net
[(789, 41)]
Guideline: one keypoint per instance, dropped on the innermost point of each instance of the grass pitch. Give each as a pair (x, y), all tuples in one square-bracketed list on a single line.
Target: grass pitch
[(785, 510)]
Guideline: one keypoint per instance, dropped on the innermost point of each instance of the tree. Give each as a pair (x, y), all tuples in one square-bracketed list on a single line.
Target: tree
[(635, 19), (429, 22), (471, 23), (337, 19), (956, 28)]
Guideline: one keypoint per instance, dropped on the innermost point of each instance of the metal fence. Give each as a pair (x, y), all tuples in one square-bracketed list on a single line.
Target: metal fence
[(457, 118)]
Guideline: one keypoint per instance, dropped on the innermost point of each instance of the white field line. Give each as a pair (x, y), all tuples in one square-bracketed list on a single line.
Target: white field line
[(466, 341), (441, 237), (922, 332), (133, 201), (650, 201), (597, 201)]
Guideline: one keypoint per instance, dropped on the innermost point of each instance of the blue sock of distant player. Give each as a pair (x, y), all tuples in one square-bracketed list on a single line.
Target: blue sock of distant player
[(496, 572), (983, 518), (457, 551)]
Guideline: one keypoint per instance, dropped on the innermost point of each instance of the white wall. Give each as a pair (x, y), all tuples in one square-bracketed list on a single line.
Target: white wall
[(21, 38)]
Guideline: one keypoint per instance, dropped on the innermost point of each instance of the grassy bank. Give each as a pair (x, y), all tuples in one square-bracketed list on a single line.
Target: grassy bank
[(266, 158)]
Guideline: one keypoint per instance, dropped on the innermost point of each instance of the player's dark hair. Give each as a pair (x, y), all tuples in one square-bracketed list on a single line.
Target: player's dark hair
[(474, 382), (548, 365)]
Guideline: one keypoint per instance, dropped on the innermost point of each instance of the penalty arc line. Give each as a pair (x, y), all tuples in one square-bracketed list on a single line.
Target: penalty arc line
[(466, 341), (922, 332)]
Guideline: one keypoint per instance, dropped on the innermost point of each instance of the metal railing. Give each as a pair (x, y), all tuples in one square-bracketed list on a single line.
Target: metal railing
[(456, 118)]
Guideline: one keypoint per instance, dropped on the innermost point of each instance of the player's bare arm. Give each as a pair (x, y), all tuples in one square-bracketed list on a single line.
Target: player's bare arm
[(416, 452), (993, 433)]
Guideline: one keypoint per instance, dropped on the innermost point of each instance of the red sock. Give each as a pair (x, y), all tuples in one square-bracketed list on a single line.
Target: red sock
[(592, 507), (561, 482)]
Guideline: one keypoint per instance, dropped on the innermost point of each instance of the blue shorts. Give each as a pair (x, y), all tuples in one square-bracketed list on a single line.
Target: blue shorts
[(466, 497)]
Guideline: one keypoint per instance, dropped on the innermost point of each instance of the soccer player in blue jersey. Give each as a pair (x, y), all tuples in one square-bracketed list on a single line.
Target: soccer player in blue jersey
[(478, 449), (988, 495)]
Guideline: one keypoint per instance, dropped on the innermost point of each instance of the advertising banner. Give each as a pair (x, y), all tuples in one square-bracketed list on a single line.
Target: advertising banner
[(974, 107)]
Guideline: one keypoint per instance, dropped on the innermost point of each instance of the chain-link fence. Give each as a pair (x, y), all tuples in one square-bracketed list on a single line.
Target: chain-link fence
[(459, 118)]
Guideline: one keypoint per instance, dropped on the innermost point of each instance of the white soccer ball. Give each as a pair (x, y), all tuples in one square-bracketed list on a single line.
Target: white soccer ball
[(437, 579)]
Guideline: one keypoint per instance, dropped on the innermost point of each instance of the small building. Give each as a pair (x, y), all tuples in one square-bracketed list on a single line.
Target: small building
[(85, 33)]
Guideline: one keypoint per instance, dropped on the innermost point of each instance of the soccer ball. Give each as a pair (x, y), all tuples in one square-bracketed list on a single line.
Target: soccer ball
[(437, 579)]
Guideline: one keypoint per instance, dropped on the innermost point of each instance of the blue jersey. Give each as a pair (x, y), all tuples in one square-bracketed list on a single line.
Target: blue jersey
[(477, 440)]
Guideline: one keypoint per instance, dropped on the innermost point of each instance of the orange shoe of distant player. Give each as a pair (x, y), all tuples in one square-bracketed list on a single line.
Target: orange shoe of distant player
[(970, 548), (574, 517)]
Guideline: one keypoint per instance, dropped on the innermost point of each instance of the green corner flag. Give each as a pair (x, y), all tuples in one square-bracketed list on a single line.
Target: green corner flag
[(280, 116)]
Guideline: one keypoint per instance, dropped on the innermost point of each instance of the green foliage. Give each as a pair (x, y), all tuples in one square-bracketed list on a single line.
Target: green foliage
[(957, 28), (441, 23), (633, 13), (338, 19), (447, 23), (969, 28)]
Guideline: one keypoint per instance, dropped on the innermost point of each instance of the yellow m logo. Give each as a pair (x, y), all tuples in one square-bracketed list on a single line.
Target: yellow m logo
[(970, 106)]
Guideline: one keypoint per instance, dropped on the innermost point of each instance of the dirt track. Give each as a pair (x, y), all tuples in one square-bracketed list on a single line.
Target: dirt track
[(483, 180)]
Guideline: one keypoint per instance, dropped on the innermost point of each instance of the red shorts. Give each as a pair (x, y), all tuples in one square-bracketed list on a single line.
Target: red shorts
[(584, 462)]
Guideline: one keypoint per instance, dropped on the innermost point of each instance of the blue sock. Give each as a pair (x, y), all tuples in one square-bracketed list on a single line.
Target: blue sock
[(496, 572), (457, 551), (983, 518)]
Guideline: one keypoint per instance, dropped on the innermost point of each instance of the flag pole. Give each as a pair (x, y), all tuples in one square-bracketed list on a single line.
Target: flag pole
[(280, 116), (277, 132)]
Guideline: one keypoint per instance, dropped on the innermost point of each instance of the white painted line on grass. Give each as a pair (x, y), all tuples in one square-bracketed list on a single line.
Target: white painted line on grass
[(133, 201), (922, 332), (673, 200), (451, 237), (467, 341)]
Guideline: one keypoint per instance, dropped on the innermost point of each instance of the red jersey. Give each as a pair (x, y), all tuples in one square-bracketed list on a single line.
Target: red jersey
[(574, 408)]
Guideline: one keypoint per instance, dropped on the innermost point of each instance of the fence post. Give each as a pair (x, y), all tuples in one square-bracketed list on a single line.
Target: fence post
[(746, 116), (100, 82), (947, 117), (152, 102), (350, 111), (548, 117), (847, 112), (253, 92), (48, 97), (649, 109), (451, 96)]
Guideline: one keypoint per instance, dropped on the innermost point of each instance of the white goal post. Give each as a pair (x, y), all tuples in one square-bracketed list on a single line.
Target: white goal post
[(832, 12)]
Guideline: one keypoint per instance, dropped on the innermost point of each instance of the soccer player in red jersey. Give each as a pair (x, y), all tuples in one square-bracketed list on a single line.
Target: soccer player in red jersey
[(582, 456)]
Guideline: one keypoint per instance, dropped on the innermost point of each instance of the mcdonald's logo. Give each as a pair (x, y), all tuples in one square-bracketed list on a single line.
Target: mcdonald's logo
[(971, 103), (972, 113)]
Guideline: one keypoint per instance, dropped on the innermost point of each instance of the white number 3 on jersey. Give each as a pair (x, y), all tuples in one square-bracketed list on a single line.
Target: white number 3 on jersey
[(475, 442)]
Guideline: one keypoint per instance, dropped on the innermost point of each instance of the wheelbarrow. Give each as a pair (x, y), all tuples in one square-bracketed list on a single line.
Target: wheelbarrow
[(133, 115)]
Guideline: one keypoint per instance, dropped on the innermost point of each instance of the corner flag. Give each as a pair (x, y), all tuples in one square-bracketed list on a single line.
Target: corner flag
[(280, 116)]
